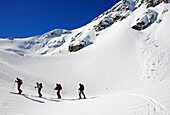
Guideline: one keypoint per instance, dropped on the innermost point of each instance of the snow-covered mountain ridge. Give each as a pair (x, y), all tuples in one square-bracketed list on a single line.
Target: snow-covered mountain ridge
[(122, 57), (59, 40)]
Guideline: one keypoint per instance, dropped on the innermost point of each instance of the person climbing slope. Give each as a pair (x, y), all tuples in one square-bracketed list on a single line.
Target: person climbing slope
[(58, 88), (39, 86), (81, 91), (19, 82)]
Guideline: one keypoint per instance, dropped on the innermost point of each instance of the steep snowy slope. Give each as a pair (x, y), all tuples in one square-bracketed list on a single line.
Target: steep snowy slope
[(125, 71)]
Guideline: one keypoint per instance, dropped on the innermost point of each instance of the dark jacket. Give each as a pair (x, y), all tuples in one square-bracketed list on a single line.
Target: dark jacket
[(81, 87), (58, 87), (19, 81)]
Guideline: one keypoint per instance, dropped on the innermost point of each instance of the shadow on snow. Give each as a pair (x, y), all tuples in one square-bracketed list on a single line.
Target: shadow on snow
[(54, 100), (35, 100)]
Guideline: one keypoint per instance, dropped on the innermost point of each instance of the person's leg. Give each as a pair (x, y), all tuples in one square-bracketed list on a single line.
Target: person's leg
[(39, 92), (20, 91), (80, 94), (58, 94), (84, 95)]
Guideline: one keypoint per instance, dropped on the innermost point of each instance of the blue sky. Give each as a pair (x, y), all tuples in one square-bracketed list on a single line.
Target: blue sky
[(24, 18)]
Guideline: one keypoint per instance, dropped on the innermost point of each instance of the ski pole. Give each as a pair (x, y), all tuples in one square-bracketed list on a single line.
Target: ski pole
[(53, 92), (13, 86)]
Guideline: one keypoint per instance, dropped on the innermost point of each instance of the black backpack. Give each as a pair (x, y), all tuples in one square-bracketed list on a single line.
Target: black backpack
[(60, 87), (81, 87), (41, 85)]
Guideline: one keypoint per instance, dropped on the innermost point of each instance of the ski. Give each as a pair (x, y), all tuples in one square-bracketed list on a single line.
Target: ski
[(65, 99), (18, 93), (38, 96), (56, 98)]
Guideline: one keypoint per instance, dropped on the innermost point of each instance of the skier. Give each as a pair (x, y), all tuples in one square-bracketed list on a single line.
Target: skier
[(39, 86), (20, 82), (58, 88), (81, 91)]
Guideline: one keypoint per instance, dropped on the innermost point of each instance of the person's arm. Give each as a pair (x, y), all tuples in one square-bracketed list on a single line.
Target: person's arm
[(55, 88), (35, 87)]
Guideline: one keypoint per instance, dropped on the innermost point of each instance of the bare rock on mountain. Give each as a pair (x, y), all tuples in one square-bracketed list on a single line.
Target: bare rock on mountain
[(75, 48), (146, 20), (117, 13), (78, 44), (151, 3)]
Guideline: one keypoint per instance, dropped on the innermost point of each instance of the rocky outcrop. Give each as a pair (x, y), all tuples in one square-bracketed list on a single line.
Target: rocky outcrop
[(108, 21), (75, 48), (146, 20), (117, 13), (123, 9), (151, 3), (80, 43)]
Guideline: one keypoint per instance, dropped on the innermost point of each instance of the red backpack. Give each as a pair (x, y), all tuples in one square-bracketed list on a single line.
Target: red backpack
[(21, 81)]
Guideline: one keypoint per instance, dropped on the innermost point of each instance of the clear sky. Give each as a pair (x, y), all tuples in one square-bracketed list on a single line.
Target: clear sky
[(25, 18)]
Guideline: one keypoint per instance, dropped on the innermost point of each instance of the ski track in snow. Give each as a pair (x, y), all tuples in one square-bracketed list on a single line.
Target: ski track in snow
[(154, 107)]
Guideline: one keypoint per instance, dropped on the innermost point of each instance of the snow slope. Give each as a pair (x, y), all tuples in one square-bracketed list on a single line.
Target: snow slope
[(125, 71)]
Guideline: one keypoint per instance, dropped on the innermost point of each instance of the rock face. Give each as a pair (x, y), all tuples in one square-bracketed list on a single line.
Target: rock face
[(75, 48), (117, 13), (108, 21), (80, 41), (151, 3), (146, 20), (154, 3)]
